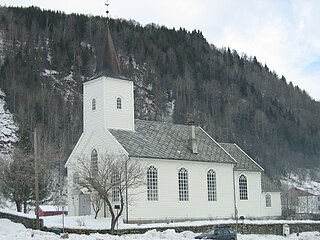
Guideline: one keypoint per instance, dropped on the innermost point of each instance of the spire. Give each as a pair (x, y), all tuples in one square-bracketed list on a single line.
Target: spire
[(107, 60)]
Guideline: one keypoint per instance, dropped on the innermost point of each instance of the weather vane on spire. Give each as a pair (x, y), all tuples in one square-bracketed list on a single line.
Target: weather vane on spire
[(107, 3)]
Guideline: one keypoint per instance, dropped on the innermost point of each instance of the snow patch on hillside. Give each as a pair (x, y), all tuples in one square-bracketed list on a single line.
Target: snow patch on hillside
[(8, 128), (306, 183), (62, 82)]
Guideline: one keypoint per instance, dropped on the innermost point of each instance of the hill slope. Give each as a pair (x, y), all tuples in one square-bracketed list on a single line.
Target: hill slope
[(8, 128), (45, 57)]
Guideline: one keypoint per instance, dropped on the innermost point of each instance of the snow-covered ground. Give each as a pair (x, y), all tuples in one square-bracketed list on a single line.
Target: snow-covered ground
[(88, 222), (15, 231)]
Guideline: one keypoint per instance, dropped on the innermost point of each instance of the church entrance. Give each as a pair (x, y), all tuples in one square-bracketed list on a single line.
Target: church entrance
[(84, 204)]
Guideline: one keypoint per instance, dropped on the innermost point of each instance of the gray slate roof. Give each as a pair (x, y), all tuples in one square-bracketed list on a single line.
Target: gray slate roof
[(244, 162), (267, 185), (169, 141)]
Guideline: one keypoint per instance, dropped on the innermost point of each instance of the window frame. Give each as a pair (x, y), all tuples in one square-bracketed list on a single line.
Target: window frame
[(75, 179), (152, 183), (268, 200), (212, 185), (183, 184), (119, 103), (93, 104), (243, 187), (94, 162), (115, 187)]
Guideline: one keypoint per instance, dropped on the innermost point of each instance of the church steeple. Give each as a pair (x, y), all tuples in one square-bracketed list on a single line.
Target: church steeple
[(107, 60), (108, 100)]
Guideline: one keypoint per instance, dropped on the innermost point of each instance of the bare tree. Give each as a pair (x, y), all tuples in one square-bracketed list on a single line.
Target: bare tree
[(110, 178), (97, 204)]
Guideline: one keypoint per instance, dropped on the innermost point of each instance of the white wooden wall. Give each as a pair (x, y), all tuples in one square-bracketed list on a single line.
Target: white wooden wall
[(104, 143), (250, 208), (106, 90), (169, 207), (275, 209)]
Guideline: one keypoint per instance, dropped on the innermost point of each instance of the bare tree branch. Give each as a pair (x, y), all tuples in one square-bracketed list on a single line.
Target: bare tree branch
[(109, 180)]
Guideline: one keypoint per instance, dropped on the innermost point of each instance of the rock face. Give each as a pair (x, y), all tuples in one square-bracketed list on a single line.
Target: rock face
[(8, 128)]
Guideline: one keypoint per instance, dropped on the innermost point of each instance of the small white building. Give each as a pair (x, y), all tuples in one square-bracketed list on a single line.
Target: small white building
[(196, 177), (303, 203)]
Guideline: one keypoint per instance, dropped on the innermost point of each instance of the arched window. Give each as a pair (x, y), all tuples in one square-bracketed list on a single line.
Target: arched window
[(75, 179), (115, 182), (183, 185), (94, 162), (152, 184), (243, 188), (93, 104), (212, 186), (119, 103), (268, 200)]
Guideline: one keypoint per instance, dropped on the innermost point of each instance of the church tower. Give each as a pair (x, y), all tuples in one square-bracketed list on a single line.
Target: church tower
[(108, 100)]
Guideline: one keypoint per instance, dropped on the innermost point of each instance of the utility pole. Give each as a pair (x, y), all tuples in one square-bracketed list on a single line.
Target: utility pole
[(126, 179), (36, 177)]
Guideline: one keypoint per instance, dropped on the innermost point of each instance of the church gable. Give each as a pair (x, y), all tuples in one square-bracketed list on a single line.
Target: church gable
[(102, 141)]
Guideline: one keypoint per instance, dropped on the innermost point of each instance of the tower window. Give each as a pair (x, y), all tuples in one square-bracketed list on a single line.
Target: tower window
[(93, 104), (119, 103)]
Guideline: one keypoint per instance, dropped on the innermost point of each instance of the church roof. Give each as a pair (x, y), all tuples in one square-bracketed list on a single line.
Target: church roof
[(267, 185), (169, 141), (244, 162), (107, 60)]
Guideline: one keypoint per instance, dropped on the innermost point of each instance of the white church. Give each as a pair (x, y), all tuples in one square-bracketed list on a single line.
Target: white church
[(193, 177)]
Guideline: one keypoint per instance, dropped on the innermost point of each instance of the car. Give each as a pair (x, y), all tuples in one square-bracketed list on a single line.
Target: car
[(219, 233)]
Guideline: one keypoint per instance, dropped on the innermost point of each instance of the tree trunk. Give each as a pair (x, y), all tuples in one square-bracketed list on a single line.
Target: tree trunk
[(96, 214), (18, 206), (113, 224), (25, 206)]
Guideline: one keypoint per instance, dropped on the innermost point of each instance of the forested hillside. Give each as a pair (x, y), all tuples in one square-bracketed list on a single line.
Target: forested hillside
[(45, 57)]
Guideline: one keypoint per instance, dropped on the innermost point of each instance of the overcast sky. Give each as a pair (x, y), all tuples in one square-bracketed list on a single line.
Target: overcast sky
[(284, 34)]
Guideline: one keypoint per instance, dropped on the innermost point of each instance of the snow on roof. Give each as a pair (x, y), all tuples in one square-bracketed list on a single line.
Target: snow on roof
[(308, 185), (51, 208)]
